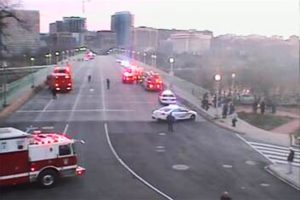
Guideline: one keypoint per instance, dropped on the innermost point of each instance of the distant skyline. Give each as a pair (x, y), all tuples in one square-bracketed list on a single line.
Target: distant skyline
[(240, 17)]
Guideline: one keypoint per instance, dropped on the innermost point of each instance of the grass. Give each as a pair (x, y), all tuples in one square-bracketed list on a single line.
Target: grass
[(266, 121)]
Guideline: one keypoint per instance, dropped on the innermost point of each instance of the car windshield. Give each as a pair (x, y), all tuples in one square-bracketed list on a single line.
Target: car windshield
[(108, 73)]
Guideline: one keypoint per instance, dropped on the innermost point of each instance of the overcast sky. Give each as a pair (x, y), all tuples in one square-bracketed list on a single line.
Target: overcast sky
[(241, 17)]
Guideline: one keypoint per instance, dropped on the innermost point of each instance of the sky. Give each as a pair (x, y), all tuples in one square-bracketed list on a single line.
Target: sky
[(240, 17)]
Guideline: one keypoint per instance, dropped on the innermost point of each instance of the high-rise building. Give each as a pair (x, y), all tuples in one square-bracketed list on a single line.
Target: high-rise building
[(122, 24), (145, 39), (56, 27), (22, 37), (74, 24)]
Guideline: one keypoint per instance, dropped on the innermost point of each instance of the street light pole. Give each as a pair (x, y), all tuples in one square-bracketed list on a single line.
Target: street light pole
[(217, 78), (233, 75), (32, 71), (145, 57), (57, 54), (171, 61)]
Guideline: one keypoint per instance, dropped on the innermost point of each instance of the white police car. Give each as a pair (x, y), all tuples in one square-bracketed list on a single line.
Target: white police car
[(167, 97), (178, 112)]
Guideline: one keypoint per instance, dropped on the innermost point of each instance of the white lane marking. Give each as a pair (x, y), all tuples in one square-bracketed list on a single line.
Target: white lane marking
[(129, 169), (48, 104), (66, 129), (243, 139), (81, 110)]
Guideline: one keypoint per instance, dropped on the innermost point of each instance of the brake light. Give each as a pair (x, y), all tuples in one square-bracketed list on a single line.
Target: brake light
[(151, 86), (67, 76)]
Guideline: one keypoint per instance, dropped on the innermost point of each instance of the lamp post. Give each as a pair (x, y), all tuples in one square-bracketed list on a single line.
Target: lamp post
[(57, 56), (153, 56), (217, 78), (32, 59), (138, 55), (4, 86), (233, 75), (145, 54), (171, 61)]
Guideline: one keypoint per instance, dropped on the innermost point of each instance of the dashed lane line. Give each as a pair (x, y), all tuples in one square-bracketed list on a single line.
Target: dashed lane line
[(130, 170)]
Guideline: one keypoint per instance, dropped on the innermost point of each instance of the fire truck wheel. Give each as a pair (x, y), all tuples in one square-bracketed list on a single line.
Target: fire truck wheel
[(48, 178)]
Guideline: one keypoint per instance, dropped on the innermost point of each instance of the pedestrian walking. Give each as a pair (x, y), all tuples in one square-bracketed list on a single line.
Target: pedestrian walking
[(170, 121), (107, 83), (54, 93), (262, 107), (234, 119), (290, 160), (225, 110), (225, 196)]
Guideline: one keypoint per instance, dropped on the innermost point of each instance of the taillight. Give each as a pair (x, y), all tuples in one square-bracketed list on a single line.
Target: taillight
[(151, 86)]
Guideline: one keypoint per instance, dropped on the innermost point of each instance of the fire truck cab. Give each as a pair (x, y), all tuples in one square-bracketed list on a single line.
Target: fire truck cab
[(41, 157)]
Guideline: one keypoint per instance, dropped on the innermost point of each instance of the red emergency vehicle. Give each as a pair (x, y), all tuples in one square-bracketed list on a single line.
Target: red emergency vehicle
[(61, 82), (41, 157), (152, 82)]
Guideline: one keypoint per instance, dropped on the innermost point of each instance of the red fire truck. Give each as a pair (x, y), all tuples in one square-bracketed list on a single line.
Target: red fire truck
[(152, 82), (60, 82), (41, 157)]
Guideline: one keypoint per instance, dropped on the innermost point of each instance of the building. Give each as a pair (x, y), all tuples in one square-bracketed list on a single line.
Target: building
[(22, 37), (61, 41), (145, 39), (107, 39), (122, 24), (74, 24), (56, 27), (190, 42)]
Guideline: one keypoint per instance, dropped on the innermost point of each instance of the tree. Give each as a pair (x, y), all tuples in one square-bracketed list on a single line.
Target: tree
[(7, 12)]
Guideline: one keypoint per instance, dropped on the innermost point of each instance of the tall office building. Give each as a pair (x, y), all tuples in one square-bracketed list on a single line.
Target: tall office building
[(74, 24), (122, 24), (22, 37)]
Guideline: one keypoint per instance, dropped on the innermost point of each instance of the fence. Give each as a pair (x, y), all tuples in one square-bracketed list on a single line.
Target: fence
[(16, 88)]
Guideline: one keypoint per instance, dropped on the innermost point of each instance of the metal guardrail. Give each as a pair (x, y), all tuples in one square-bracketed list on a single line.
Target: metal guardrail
[(16, 88)]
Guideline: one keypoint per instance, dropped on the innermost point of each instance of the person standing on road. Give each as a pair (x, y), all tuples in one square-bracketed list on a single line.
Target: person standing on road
[(107, 83), (234, 119), (170, 121), (225, 196), (54, 94), (89, 78), (290, 160)]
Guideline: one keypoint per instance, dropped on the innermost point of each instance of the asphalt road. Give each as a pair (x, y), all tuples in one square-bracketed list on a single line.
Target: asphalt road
[(129, 156)]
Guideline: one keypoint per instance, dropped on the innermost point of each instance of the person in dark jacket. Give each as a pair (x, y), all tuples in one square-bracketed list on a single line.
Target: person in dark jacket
[(170, 121), (225, 196), (54, 93), (290, 160), (107, 83)]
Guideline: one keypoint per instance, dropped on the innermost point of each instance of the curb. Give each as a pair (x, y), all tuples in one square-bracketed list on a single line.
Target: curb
[(285, 180), (18, 102)]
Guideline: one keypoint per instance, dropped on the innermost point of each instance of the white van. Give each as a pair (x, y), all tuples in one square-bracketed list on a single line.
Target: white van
[(167, 97)]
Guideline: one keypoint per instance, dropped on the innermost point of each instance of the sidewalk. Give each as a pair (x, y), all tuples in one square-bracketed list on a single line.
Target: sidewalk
[(192, 95)]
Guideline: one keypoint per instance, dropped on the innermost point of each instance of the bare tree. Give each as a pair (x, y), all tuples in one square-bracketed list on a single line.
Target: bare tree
[(7, 12)]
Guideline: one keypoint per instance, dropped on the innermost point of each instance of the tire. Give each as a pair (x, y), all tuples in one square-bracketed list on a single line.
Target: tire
[(193, 117), (48, 178)]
